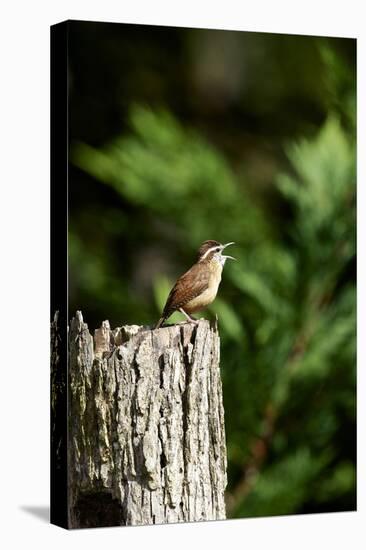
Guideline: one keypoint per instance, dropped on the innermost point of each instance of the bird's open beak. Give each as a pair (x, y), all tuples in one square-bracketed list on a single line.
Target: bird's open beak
[(225, 245), (227, 257)]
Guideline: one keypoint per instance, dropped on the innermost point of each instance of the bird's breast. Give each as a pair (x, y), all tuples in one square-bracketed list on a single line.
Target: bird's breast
[(208, 295)]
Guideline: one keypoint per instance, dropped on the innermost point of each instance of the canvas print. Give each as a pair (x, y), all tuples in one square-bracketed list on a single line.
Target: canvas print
[(203, 308)]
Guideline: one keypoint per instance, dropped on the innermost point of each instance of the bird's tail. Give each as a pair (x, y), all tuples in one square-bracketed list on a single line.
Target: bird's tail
[(160, 322)]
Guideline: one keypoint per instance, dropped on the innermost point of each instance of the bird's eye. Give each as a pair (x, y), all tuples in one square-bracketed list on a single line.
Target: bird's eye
[(218, 249)]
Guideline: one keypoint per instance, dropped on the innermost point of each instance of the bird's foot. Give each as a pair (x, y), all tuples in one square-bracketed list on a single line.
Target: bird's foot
[(193, 321), (188, 317)]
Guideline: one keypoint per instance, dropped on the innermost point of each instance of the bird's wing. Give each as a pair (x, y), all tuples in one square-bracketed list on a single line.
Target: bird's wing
[(188, 286)]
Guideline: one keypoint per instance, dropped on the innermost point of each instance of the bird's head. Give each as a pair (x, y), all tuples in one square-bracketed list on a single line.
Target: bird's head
[(212, 250)]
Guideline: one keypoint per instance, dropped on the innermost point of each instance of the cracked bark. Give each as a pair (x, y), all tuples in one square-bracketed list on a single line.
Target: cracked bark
[(146, 425)]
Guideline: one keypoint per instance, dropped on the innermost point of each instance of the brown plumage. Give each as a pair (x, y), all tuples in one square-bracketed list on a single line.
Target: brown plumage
[(205, 247), (198, 286)]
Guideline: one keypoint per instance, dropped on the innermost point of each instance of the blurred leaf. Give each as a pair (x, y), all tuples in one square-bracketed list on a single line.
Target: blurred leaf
[(229, 320), (173, 172), (340, 480), (162, 287), (284, 486)]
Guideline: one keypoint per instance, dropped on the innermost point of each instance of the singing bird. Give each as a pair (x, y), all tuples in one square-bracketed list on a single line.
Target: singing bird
[(197, 288)]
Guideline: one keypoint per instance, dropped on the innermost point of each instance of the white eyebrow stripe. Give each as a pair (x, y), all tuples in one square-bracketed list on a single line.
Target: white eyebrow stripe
[(208, 251)]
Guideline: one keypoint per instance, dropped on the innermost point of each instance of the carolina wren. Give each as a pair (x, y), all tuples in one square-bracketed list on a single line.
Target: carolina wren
[(197, 288)]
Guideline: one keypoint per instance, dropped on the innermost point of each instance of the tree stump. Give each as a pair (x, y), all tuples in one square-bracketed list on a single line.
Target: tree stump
[(146, 441)]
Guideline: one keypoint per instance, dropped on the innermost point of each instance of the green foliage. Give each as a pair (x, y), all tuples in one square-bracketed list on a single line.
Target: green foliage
[(319, 303), (176, 174), (162, 287), (286, 308), (284, 486)]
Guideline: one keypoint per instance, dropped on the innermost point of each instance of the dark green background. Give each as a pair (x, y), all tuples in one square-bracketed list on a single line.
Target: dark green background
[(183, 135)]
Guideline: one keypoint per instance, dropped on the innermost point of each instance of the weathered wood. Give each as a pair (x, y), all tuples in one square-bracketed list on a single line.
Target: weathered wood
[(146, 425)]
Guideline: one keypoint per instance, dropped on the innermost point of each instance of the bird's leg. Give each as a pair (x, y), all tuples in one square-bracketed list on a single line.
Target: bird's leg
[(188, 317)]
